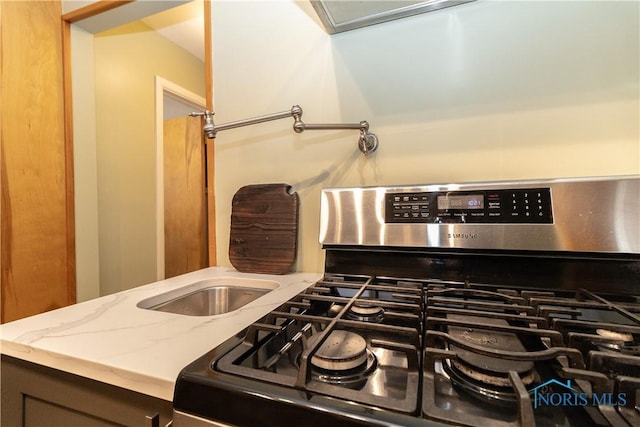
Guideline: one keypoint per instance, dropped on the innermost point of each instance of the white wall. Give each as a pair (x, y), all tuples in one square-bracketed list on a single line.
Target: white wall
[(484, 91)]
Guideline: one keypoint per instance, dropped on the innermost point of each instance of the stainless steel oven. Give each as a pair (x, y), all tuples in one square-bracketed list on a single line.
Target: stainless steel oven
[(501, 303)]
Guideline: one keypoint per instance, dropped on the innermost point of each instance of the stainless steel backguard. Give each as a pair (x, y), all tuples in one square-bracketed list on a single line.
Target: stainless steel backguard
[(600, 215)]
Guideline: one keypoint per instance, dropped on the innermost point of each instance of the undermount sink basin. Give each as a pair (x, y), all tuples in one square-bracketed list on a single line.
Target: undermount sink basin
[(210, 297)]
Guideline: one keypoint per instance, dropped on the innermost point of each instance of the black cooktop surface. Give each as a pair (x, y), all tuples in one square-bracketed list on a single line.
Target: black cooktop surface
[(380, 350)]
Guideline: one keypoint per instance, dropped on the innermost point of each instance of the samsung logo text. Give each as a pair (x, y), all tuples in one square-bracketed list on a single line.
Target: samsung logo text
[(463, 235)]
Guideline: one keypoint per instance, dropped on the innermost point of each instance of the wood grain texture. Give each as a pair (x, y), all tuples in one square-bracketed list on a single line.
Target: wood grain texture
[(37, 268), (93, 9), (209, 149), (185, 204), (264, 229), (69, 159)]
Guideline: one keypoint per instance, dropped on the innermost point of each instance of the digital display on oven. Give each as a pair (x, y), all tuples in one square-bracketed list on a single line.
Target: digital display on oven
[(499, 206), (471, 201)]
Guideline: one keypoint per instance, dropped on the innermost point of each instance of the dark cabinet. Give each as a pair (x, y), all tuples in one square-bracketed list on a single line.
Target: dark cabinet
[(34, 395)]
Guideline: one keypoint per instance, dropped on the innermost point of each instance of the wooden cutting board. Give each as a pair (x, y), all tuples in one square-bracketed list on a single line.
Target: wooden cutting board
[(264, 229)]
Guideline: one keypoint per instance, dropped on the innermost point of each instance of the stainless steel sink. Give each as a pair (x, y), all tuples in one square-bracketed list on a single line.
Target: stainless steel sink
[(210, 297)]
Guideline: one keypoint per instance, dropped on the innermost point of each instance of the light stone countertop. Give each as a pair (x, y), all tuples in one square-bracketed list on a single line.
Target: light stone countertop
[(110, 339)]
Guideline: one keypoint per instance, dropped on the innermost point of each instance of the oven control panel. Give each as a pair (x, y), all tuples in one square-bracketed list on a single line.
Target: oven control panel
[(520, 206)]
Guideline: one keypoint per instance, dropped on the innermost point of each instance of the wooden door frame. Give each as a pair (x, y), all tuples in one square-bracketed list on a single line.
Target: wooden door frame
[(93, 10), (162, 86)]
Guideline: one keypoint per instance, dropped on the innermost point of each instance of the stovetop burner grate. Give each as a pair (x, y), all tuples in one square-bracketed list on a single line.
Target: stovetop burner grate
[(560, 332), (282, 347), (448, 352)]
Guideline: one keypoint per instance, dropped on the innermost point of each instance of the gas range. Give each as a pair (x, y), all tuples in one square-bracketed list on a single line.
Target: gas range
[(433, 311)]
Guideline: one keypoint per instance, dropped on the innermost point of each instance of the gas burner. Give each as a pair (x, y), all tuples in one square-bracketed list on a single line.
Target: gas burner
[(486, 377), (343, 359), (354, 378), (490, 387), (366, 312), (341, 351), (617, 342), (498, 379)]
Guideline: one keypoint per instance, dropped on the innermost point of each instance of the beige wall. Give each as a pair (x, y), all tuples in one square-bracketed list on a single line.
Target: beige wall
[(85, 166), (485, 91), (126, 64)]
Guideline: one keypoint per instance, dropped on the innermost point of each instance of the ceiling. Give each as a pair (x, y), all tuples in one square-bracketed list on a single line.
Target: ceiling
[(181, 21), (183, 25)]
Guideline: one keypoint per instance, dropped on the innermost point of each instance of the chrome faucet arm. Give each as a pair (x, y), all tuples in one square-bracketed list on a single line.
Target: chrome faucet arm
[(367, 143)]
